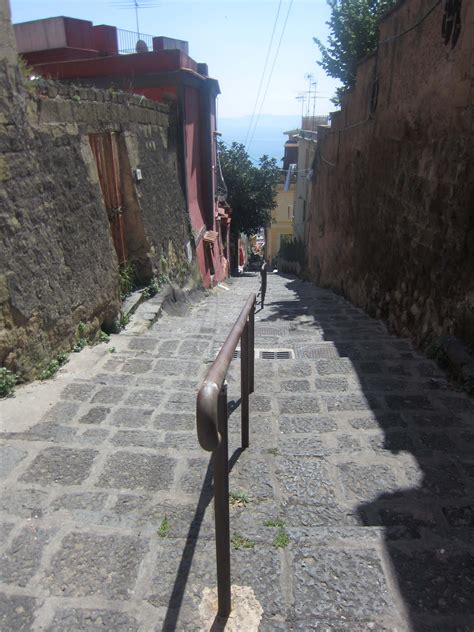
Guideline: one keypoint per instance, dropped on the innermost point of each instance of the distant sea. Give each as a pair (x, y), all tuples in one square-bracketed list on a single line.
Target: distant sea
[(269, 137)]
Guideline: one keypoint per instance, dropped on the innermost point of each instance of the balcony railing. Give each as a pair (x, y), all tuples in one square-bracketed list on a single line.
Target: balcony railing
[(127, 42)]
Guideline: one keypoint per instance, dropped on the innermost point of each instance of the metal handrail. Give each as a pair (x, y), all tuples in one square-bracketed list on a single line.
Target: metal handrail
[(211, 422), (263, 287)]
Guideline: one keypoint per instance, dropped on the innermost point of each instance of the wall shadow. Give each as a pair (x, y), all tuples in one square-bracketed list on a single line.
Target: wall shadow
[(422, 434)]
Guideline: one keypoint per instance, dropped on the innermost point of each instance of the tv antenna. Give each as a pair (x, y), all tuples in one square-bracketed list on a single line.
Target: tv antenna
[(136, 4)]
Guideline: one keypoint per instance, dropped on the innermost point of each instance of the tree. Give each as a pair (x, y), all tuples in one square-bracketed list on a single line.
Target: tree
[(251, 190), (354, 28)]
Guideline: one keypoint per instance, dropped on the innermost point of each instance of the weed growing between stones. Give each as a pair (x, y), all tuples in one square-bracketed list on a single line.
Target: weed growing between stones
[(277, 523), (8, 381), (127, 275), (112, 350), (241, 542), (281, 540), (239, 499), (124, 320), (273, 451), (165, 527)]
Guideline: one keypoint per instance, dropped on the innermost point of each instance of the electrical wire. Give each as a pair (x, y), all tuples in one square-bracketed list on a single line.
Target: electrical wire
[(271, 73), (263, 73)]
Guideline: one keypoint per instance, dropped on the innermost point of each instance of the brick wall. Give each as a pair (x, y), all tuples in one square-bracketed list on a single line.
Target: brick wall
[(391, 218)]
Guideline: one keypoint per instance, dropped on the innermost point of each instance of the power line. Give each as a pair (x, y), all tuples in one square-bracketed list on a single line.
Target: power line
[(263, 73), (271, 72)]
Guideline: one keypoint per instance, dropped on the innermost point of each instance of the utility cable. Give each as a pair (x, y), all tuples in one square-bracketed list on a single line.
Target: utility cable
[(263, 73), (271, 72)]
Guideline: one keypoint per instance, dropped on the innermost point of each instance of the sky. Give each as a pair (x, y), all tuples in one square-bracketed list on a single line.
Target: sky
[(233, 38)]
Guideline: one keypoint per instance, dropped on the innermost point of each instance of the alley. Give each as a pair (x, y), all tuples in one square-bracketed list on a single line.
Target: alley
[(352, 510)]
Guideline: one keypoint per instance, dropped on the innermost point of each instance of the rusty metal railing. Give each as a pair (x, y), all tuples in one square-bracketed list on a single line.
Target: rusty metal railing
[(211, 420)]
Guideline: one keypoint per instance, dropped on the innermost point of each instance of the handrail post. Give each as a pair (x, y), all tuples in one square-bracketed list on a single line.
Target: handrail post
[(263, 275), (252, 349), (221, 508), (244, 385)]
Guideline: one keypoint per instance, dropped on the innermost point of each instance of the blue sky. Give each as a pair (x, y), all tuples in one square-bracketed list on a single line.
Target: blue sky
[(231, 37)]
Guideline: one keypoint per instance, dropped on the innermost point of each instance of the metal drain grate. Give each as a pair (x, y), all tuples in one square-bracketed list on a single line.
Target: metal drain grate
[(318, 352), (269, 330), (275, 354)]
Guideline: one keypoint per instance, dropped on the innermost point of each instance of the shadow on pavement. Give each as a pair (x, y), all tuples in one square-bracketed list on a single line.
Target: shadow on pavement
[(179, 587), (418, 484)]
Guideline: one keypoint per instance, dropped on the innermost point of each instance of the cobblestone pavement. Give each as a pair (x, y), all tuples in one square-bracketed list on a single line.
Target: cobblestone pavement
[(360, 477)]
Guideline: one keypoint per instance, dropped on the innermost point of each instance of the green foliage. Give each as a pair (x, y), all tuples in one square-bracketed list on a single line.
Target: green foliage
[(103, 337), (241, 542), (281, 540), (112, 350), (293, 250), (31, 80), (80, 344), (81, 329), (239, 499), (275, 522), (251, 190), (54, 366), (127, 275), (7, 382), (124, 320), (354, 27), (165, 527)]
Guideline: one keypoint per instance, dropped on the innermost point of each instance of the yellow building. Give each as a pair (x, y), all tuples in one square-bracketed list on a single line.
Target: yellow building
[(281, 227)]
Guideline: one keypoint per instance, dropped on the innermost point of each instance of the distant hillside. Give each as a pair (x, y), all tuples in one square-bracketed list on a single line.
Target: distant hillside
[(269, 136)]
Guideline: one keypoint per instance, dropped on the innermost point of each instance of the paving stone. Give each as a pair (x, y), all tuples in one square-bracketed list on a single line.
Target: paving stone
[(331, 384), (92, 436), (5, 528), (175, 421), (402, 402), (306, 480), (150, 398), (367, 481), (22, 559), (182, 441), (349, 402), (441, 479), (299, 404), (89, 564), (9, 459), (260, 404), (143, 344), (137, 366), (132, 470), (437, 581), (108, 395), (138, 439), (16, 612), (437, 441), (62, 412), (303, 446), (131, 417), (181, 401), (197, 476), (348, 443), (79, 391), (251, 475), (394, 441), (91, 501), (115, 379), (377, 420), (294, 369), (50, 431), (306, 424), (462, 516), (457, 404), (295, 386), (95, 415), (25, 503), (60, 465), (328, 583), (334, 367), (327, 513), (92, 620)]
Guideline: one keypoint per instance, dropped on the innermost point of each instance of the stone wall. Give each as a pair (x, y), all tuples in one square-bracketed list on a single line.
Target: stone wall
[(58, 265), (392, 222)]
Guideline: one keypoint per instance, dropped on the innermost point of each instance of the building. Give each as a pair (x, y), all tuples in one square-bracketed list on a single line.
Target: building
[(281, 226), (160, 69), (306, 139)]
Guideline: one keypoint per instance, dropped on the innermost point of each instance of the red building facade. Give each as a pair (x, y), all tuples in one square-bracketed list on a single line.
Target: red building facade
[(73, 50)]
